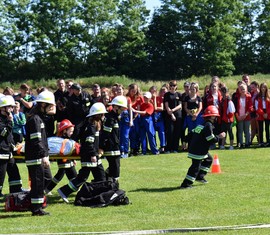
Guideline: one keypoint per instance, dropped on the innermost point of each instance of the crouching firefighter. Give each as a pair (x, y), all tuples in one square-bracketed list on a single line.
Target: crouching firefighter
[(89, 152), (36, 148), (202, 136)]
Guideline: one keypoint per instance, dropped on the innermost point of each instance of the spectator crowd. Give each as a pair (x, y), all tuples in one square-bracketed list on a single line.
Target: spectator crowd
[(158, 121)]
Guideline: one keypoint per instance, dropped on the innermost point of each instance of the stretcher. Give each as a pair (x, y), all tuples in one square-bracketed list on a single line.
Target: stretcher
[(59, 148)]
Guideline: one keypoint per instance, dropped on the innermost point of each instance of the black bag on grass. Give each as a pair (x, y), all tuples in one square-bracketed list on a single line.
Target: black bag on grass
[(101, 194)]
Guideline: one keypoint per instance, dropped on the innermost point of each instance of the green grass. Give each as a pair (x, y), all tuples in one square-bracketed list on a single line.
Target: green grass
[(238, 196)]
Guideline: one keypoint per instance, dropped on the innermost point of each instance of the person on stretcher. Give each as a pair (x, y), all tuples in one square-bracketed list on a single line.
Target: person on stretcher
[(65, 130)]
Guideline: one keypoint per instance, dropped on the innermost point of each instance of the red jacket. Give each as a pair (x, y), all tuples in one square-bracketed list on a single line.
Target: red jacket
[(260, 110), (226, 117), (249, 106)]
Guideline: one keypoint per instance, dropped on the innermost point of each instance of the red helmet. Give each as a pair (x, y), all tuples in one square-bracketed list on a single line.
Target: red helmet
[(211, 111), (64, 125)]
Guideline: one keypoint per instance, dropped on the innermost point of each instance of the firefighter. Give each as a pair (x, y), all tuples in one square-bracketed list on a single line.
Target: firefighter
[(89, 153), (65, 130), (110, 137), (204, 137), (36, 148), (7, 162)]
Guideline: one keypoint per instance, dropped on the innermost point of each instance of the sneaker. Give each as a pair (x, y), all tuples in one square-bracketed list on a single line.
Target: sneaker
[(231, 147), (167, 152), (40, 212), (203, 181), (62, 195), (222, 147), (124, 155), (185, 187)]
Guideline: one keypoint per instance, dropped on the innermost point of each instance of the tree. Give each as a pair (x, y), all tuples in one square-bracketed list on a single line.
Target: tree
[(263, 41)]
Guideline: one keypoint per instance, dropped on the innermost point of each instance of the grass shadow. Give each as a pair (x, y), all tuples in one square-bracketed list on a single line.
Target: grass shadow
[(156, 190)]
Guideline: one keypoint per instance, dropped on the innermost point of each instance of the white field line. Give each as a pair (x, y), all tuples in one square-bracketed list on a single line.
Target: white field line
[(160, 231)]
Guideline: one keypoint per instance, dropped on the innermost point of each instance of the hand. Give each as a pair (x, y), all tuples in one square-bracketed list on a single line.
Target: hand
[(93, 159), (100, 152), (222, 135), (46, 162)]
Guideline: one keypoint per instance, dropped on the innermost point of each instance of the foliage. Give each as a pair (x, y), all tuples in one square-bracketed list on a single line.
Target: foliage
[(237, 196), (84, 38)]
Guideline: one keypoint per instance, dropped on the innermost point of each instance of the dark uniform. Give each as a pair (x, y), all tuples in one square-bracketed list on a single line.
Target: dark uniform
[(202, 138), (78, 107), (7, 162), (110, 143), (89, 148), (36, 148)]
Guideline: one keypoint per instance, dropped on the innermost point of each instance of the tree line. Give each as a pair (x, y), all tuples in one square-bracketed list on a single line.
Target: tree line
[(42, 39)]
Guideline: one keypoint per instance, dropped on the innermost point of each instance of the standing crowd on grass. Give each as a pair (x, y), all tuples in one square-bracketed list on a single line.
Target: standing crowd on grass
[(119, 122)]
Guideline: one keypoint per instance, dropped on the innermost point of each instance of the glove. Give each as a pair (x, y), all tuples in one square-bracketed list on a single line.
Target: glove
[(46, 162)]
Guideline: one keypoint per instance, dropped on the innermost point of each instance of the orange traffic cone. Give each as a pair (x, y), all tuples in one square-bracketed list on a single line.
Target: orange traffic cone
[(216, 165)]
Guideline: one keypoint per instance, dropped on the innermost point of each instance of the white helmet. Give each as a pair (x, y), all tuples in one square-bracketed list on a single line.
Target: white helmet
[(7, 100), (97, 108), (1, 95), (119, 101), (46, 97)]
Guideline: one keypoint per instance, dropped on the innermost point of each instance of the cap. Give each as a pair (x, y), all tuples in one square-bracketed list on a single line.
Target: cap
[(147, 95), (186, 84), (76, 86)]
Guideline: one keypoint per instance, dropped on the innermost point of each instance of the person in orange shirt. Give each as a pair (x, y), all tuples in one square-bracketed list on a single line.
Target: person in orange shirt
[(147, 125)]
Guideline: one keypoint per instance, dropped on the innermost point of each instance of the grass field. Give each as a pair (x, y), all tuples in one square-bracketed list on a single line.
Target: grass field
[(240, 195)]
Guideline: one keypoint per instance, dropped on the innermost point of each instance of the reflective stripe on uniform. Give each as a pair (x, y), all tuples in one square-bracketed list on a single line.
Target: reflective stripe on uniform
[(116, 125), (197, 157), (33, 162), (112, 153), (205, 169), (56, 181), (15, 182), (108, 129), (65, 165), (37, 200), (35, 135), (91, 164), (4, 132), (190, 178), (5, 156), (90, 139), (72, 186), (210, 137)]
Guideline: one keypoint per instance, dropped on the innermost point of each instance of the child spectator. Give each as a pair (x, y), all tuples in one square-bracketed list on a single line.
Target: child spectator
[(262, 106), (158, 117), (243, 108), (65, 130), (19, 121), (147, 125), (204, 137), (227, 111)]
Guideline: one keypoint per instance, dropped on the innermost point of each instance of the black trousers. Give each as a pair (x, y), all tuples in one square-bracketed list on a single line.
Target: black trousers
[(197, 170), (36, 173), (10, 167), (74, 184), (71, 173), (113, 169), (173, 132)]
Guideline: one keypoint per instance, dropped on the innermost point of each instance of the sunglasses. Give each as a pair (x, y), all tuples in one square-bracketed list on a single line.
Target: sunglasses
[(172, 85)]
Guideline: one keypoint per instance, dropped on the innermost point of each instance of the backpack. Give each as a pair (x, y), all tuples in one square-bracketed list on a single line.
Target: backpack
[(101, 194), (20, 201)]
